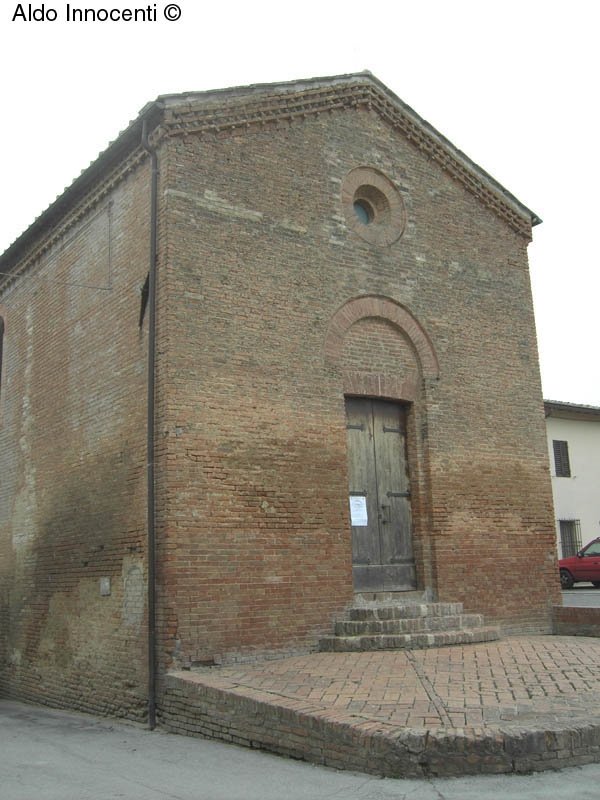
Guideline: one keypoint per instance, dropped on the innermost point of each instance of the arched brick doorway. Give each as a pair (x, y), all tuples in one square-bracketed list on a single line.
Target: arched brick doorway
[(384, 358)]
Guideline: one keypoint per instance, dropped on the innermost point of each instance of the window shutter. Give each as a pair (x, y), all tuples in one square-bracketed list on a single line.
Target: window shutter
[(561, 459)]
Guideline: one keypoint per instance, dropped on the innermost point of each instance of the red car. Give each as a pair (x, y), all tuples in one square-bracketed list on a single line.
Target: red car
[(585, 566)]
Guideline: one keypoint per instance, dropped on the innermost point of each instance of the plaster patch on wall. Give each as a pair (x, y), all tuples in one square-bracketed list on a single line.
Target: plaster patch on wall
[(25, 504), (133, 593), (212, 202)]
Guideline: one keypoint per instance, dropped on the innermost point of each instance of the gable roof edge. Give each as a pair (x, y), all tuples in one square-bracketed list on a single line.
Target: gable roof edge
[(461, 158), (564, 410), (369, 90), (108, 160), (239, 107)]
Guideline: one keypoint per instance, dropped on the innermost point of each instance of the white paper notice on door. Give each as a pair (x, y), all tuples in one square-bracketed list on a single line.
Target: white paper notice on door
[(358, 511)]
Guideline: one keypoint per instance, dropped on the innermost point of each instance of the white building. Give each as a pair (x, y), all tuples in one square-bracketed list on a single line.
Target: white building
[(574, 443)]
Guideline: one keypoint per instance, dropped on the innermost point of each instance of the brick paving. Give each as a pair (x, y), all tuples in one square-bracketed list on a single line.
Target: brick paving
[(457, 687), (526, 691)]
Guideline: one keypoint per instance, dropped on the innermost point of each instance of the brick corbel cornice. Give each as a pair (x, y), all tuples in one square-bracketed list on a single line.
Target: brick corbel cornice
[(233, 111), (199, 115)]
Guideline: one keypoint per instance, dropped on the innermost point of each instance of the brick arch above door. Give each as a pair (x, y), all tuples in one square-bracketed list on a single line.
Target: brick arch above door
[(375, 383)]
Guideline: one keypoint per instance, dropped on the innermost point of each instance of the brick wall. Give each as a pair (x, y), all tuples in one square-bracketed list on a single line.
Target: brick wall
[(258, 261), (72, 460)]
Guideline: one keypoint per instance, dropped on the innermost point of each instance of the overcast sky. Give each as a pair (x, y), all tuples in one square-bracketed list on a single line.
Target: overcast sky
[(512, 84)]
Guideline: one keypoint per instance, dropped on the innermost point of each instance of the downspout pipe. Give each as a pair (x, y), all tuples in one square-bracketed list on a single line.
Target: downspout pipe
[(150, 429)]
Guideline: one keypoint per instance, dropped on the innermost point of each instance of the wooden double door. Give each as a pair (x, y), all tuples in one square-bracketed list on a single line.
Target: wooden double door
[(382, 552)]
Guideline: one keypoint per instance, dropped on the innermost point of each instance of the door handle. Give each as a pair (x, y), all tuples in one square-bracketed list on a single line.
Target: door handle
[(382, 514)]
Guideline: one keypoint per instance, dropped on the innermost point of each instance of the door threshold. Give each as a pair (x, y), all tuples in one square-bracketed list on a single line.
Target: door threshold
[(403, 596)]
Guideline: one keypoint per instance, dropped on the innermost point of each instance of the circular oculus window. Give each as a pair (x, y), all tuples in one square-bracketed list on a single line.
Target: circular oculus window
[(373, 206), (364, 211)]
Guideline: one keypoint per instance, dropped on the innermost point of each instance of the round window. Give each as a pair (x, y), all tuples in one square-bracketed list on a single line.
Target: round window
[(373, 206), (364, 211)]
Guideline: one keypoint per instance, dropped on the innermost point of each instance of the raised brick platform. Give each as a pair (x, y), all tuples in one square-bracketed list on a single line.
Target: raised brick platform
[(576, 621), (516, 705)]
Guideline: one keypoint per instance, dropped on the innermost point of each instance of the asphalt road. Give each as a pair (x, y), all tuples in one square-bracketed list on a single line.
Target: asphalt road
[(582, 595), (56, 755)]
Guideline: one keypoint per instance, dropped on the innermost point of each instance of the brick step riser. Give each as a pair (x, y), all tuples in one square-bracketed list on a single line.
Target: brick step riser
[(415, 625), (342, 644), (408, 611)]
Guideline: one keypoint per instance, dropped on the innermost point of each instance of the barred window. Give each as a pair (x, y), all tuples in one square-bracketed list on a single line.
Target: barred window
[(561, 459), (570, 536)]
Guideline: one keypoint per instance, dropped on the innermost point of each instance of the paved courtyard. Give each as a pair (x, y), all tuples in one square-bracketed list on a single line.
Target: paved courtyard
[(519, 704), (512, 680)]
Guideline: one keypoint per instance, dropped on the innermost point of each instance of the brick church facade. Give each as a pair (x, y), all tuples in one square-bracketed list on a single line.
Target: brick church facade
[(334, 307)]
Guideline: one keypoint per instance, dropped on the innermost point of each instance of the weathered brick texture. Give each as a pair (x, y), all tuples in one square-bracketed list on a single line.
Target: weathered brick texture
[(574, 621), (198, 704), (72, 497), (271, 307)]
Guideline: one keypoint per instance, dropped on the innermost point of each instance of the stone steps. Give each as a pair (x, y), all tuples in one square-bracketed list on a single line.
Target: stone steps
[(422, 624), (400, 610), (392, 624)]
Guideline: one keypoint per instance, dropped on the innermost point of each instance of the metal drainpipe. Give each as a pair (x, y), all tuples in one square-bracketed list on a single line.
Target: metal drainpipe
[(151, 518)]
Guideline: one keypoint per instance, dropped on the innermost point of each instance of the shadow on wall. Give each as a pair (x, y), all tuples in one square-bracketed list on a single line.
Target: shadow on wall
[(76, 595)]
